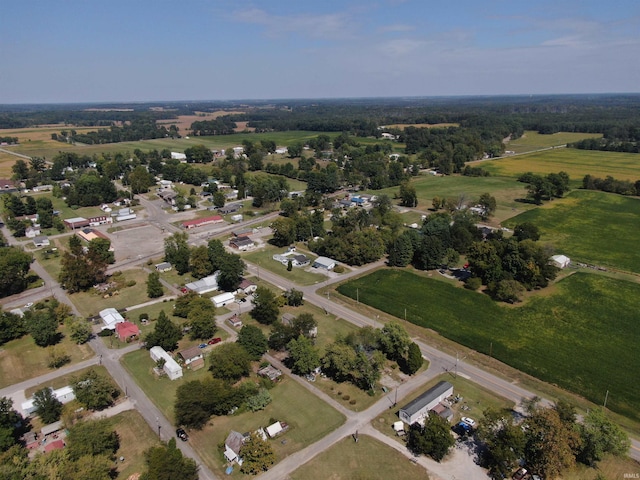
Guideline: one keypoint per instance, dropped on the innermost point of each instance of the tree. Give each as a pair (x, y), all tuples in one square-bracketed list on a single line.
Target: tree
[(600, 436), (176, 252), (48, 407), (14, 265), (231, 270), (394, 341), (526, 231), (550, 443), (304, 355), (294, 297), (401, 251), (253, 341), (504, 441), (488, 204), (11, 327), (414, 359), (197, 400), (201, 319), (339, 361), (199, 262), (166, 462), (79, 330), (257, 455), (154, 287), (284, 231), (10, 424), (509, 291), (43, 327), (434, 439), (265, 308), (229, 361), (92, 437), (94, 391), (408, 195), (259, 401), (166, 334), (140, 179)]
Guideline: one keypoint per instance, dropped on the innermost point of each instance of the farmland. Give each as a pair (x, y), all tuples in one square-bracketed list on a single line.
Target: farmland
[(564, 337), (577, 163), (591, 227), (532, 140)]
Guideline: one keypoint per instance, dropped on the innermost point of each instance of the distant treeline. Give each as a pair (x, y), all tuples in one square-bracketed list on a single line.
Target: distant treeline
[(220, 126), (8, 139), (621, 138), (128, 132), (610, 184)]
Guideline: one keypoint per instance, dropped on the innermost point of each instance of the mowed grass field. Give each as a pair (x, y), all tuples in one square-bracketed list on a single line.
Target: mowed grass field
[(532, 140), (577, 164), (582, 335), (367, 459), (590, 227)]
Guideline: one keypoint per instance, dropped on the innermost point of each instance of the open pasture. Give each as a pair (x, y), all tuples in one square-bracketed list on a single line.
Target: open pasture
[(582, 335), (590, 227), (577, 163), (532, 140)]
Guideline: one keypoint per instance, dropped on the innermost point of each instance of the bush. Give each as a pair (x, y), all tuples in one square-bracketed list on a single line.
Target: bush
[(131, 283), (143, 316), (346, 397), (352, 402), (473, 283), (105, 333), (339, 269)]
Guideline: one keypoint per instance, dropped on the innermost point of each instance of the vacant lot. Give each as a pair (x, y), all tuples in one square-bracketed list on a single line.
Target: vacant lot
[(591, 227), (22, 359), (532, 140), (577, 336), (366, 459), (135, 437), (263, 257), (577, 163)]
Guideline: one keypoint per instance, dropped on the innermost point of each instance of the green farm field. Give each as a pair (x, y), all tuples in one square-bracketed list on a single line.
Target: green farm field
[(590, 227), (532, 140), (582, 335), (577, 164)]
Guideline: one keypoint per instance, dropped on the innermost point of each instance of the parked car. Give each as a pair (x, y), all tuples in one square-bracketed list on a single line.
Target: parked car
[(213, 341), (469, 421), (182, 435), (202, 345), (29, 305)]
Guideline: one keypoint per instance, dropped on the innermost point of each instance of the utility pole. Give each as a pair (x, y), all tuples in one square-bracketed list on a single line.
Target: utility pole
[(606, 397)]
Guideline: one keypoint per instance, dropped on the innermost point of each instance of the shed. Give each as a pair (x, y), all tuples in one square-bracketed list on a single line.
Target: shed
[(270, 372), (111, 316), (274, 429), (325, 263), (561, 261), (51, 428), (206, 284), (163, 267), (234, 321), (418, 409), (223, 299)]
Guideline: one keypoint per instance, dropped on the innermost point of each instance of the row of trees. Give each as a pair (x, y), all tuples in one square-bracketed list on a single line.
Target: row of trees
[(610, 184), (548, 187), (549, 439), (138, 129)]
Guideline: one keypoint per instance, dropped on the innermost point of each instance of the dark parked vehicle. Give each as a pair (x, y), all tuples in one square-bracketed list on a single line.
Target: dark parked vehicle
[(182, 435), (213, 341)]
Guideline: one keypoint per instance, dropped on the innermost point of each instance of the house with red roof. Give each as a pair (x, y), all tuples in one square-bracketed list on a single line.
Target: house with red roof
[(126, 331)]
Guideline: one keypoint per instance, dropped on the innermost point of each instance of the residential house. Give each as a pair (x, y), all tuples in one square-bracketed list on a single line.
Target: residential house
[(234, 321), (169, 196), (170, 367), (418, 409), (232, 446), (242, 243), (247, 287), (288, 318), (193, 357), (41, 241), (230, 208), (127, 331), (32, 232), (163, 267), (64, 395)]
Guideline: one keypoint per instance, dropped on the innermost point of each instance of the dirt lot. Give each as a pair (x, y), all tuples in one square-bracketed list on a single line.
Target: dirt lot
[(137, 241), (183, 122)]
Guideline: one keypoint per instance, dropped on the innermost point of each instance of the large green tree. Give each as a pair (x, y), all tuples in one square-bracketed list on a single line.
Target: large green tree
[(434, 439), (201, 319), (92, 437), (154, 287), (304, 355), (257, 455), (10, 424), (229, 361), (94, 391), (166, 462), (166, 334), (48, 407), (43, 327), (600, 436), (14, 265), (177, 253), (265, 308), (503, 439), (253, 341)]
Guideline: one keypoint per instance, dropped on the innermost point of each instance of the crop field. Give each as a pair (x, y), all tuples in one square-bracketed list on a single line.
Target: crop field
[(532, 140), (582, 335), (591, 227), (577, 163)]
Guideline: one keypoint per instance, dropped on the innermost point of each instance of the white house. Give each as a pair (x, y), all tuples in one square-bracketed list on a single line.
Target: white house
[(191, 355), (223, 299), (63, 395), (163, 267), (110, 316), (418, 409), (171, 367), (41, 241), (561, 261), (178, 156), (232, 446), (32, 232)]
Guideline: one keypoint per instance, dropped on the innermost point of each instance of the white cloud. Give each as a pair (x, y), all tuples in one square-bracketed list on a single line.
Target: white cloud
[(398, 27)]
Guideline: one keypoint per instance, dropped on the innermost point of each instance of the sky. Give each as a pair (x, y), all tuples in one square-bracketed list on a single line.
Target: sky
[(73, 51)]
